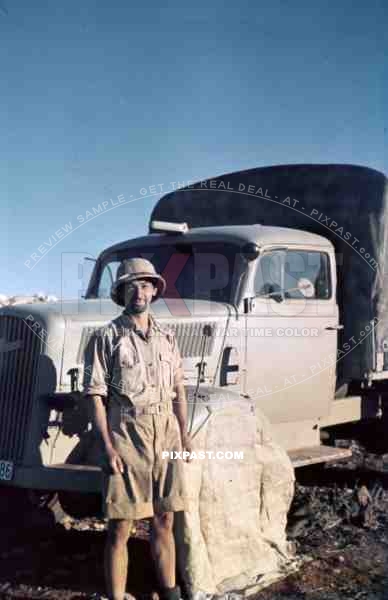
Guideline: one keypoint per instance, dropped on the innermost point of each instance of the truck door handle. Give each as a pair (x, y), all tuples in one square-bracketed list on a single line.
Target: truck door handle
[(333, 327)]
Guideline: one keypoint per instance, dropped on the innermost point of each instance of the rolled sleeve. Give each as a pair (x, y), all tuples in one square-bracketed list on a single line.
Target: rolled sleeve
[(96, 366)]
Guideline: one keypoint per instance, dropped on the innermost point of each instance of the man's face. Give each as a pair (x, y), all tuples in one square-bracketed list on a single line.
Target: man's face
[(138, 295)]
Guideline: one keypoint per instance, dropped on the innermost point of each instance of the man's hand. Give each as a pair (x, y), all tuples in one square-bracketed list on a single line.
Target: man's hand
[(115, 461), (187, 445), (101, 425)]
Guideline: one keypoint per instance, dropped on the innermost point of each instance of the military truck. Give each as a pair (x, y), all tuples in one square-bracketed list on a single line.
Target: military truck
[(276, 291)]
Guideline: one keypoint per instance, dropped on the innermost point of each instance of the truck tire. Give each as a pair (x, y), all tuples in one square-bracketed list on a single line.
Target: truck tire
[(80, 506)]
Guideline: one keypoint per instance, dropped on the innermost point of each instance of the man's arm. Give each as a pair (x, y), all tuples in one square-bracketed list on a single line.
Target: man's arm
[(96, 378), (100, 423)]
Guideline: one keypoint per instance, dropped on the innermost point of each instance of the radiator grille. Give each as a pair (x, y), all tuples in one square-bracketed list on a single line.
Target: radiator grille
[(189, 336), (19, 354)]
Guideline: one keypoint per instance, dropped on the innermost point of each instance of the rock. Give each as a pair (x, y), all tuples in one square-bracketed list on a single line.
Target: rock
[(239, 506), (98, 526), (377, 462), (365, 516), (363, 496)]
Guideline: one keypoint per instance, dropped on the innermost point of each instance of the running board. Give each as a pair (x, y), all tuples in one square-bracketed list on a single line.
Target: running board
[(317, 454)]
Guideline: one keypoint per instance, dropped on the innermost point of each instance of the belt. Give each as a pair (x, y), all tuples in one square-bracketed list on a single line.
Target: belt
[(158, 408)]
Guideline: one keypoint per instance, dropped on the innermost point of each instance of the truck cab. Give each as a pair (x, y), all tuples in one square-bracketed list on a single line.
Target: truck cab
[(267, 296)]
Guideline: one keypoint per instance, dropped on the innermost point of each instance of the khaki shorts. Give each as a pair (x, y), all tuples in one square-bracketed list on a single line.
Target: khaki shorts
[(150, 484)]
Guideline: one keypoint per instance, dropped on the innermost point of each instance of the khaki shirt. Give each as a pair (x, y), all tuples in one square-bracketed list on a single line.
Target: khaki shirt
[(130, 368)]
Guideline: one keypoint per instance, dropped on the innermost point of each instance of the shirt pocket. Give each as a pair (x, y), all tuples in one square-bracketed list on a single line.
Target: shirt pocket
[(128, 373), (127, 357)]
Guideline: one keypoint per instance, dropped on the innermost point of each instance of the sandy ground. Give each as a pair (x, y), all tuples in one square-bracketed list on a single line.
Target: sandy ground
[(341, 534)]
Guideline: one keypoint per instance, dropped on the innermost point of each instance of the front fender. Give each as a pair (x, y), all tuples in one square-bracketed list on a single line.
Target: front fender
[(202, 404)]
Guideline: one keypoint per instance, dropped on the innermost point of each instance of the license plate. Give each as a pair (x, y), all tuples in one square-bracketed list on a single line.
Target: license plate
[(6, 470)]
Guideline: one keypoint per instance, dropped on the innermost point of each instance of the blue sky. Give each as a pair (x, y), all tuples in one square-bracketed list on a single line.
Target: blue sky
[(100, 100)]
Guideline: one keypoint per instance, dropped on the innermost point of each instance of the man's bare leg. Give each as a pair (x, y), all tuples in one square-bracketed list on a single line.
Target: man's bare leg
[(116, 557), (163, 548)]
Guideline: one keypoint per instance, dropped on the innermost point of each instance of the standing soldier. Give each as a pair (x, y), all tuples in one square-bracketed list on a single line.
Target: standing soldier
[(134, 380)]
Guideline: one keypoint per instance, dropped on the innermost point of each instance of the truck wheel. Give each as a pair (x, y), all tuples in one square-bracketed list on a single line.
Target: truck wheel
[(75, 504), (80, 506)]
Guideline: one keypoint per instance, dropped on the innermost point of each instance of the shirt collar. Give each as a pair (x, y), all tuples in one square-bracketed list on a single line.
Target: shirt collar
[(152, 325)]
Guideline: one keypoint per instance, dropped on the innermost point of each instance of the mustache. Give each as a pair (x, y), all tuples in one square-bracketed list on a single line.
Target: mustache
[(137, 308)]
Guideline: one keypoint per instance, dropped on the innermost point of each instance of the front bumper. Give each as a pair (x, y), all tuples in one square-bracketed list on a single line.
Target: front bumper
[(71, 478)]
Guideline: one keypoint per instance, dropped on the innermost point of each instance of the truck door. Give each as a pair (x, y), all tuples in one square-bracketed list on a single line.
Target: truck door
[(291, 333)]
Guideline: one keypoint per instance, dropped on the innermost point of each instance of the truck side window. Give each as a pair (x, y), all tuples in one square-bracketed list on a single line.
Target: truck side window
[(294, 274), (307, 275), (268, 278)]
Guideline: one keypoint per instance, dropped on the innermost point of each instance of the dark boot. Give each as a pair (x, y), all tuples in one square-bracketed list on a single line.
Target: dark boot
[(173, 593)]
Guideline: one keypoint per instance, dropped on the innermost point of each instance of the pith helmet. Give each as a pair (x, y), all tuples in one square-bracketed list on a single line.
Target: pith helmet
[(132, 269)]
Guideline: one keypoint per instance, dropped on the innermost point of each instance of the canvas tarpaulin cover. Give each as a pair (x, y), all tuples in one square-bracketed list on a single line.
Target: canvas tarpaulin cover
[(233, 535), (344, 203)]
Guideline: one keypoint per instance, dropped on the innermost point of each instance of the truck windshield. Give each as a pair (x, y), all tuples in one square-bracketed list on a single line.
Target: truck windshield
[(205, 271)]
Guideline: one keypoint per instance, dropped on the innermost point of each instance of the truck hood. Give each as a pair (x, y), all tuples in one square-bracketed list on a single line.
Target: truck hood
[(103, 310), (73, 322)]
